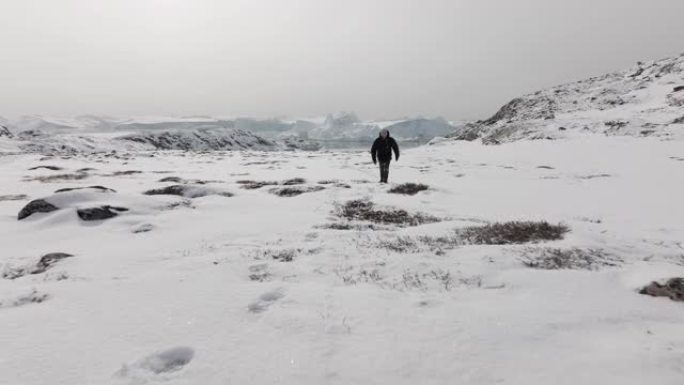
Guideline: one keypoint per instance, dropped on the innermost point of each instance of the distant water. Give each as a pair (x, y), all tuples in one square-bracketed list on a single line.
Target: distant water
[(363, 145)]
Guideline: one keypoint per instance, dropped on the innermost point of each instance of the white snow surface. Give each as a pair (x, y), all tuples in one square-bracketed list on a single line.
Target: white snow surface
[(199, 291)]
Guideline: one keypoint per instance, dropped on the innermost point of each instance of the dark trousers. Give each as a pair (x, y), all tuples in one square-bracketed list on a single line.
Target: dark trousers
[(384, 171)]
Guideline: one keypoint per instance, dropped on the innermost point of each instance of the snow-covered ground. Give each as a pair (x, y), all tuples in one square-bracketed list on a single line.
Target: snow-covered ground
[(256, 288)]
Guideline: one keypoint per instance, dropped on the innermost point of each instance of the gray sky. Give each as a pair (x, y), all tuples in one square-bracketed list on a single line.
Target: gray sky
[(379, 58)]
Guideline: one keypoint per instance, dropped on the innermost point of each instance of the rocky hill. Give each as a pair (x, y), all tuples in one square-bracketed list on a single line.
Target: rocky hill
[(51, 143), (645, 100), (201, 140)]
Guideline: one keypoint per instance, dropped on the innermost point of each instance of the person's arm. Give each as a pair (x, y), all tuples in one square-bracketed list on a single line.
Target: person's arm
[(374, 150), (395, 147)]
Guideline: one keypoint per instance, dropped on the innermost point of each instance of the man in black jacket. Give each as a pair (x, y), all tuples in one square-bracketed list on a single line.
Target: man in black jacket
[(382, 151)]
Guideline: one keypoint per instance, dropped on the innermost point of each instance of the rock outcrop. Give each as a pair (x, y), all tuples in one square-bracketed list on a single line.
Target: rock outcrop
[(640, 101), (36, 206)]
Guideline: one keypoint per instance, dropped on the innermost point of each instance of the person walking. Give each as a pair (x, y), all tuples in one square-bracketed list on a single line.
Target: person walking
[(381, 151)]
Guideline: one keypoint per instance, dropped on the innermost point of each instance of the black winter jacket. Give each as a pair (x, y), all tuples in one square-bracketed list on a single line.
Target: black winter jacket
[(382, 149)]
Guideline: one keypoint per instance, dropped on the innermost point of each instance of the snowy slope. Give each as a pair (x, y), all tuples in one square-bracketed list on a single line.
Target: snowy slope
[(260, 288), (646, 100)]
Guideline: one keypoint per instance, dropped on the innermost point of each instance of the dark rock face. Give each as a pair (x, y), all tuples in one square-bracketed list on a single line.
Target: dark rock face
[(673, 289), (16, 197), (525, 109), (172, 179), (48, 260), (4, 131), (100, 213), (201, 140), (531, 116), (469, 132), (679, 120), (96, 188), (36, 206), (294, 181), (52, 168)]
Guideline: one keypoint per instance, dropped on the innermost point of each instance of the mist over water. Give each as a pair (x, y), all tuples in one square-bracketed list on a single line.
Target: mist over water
[(354, 145)]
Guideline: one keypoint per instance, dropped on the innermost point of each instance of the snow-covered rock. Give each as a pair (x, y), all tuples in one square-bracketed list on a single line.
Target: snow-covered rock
[(201, 140), (50, 143), (54, 143), (5, 132), (645, 100)]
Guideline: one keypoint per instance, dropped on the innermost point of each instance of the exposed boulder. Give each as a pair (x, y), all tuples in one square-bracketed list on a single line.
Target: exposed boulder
[(36, 206), (201, 140), (51, 168), (524, 109), (5, 132), (99, 213), (47, 260), (172, 179), (673, 289), (294, 181), (94, 188)]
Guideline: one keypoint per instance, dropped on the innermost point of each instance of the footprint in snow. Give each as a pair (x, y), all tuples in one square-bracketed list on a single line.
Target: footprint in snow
[(159, 363), (265, 301)]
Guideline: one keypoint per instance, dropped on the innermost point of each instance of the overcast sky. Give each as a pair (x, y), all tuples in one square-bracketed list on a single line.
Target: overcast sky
[(379, 58)]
